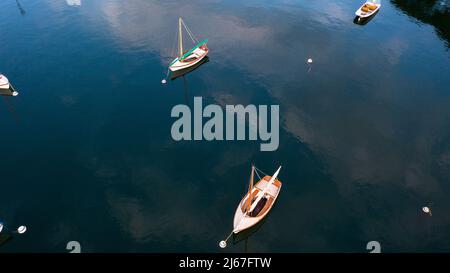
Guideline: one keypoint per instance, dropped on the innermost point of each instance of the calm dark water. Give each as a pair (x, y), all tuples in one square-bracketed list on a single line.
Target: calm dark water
[(364, 139)]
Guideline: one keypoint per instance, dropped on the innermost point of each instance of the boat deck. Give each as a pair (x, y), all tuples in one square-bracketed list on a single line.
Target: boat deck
[(272, 193)]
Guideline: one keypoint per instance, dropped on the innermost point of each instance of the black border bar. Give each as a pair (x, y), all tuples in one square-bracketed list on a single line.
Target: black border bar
[(221, 262)]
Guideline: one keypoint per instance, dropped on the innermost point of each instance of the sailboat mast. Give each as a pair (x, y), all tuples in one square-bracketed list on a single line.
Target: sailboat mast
[(180, 36), (250, 188)]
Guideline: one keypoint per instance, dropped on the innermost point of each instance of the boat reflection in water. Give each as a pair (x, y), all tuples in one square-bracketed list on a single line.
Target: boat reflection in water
[(4, 238), (181, 73), (19, 6)]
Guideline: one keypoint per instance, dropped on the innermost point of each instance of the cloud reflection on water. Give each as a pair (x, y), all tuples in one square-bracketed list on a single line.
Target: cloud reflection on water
[(358, 107)]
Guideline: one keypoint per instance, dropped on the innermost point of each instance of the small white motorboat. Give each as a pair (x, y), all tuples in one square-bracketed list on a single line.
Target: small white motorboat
[(256, 204), (6, 87), (368, 9), (191, 57), (4, 83)]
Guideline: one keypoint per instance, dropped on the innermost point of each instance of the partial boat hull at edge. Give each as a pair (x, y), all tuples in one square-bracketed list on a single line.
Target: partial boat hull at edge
[(6, 88)]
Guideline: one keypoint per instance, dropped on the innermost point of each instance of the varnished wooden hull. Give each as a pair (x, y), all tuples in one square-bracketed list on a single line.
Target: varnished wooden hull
[(241, 220)]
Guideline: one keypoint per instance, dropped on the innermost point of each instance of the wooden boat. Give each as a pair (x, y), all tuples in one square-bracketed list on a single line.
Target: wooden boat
[(367, 9), (6, 88), (192, 56), (256, 204), (180, 73)]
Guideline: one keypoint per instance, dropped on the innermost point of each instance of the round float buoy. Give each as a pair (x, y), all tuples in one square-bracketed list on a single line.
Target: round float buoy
[(1, 227), (21, 229), (223, 244), (163, 81), (427, 210), (310, 61)]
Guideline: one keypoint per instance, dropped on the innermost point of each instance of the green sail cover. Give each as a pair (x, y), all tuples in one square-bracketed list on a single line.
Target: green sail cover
[(189, 52)]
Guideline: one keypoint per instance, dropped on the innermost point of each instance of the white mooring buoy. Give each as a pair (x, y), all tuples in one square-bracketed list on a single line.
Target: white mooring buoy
[(163, 81), (427, 210), (1, 227), (21, 229), (223, 244), (309, 61)]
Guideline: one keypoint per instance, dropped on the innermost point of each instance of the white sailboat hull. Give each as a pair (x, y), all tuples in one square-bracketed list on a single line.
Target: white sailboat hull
[(242, 221), (197, 55), (247, 223), (364, 14), (4, 83)]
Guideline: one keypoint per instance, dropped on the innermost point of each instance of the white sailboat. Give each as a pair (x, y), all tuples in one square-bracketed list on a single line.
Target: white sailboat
[(192, 56), (256, 204), (6, 87), (368, 9)]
